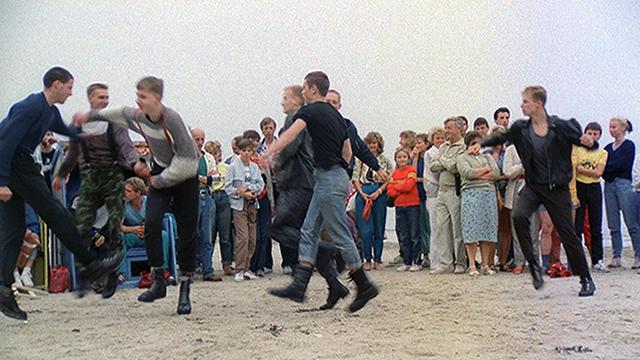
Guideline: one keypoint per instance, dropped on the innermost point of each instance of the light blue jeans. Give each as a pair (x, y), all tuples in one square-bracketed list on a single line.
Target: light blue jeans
[(327, 210), (619, 197)]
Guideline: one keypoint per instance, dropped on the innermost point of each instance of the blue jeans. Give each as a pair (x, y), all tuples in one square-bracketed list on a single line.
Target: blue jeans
[(327, 210), (205, 222), (619, 197), (372, 230), (408, 229), (130, 240), (221, 214)]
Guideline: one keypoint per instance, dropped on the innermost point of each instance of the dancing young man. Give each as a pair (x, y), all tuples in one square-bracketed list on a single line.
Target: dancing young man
[(331, 152), (104, 152), (173, 177), (544, 143), (21, 181)]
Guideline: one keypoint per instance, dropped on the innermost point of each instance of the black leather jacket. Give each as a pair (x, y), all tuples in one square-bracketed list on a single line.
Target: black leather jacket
[(561, 136)]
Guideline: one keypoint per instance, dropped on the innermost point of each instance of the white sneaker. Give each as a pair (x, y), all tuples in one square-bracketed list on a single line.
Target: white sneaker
[(616, 263), (402, 268), (239, 277), (16, 278), (415, 267), (248, 275), (439, 270), (287, 270), (599, 267), (267, 270), (26, 278), (636, 263)]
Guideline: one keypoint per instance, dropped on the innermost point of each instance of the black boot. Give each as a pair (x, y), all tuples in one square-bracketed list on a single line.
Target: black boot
[(95, 271), (327, 269), (366, 290), (588, 287), (111, 286), (298, 287), (536, 274), (8, 305), (158, 289), (184, 304)]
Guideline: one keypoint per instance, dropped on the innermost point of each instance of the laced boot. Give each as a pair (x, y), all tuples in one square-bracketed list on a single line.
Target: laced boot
[(366, 290), (588, 287), (9, 306), (184, 304), (327, 269)]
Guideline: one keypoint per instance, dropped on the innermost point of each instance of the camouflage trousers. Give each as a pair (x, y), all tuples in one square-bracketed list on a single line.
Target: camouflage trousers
[(101, 186)]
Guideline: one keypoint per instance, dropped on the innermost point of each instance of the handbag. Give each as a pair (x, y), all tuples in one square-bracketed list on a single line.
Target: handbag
[(60, 279)]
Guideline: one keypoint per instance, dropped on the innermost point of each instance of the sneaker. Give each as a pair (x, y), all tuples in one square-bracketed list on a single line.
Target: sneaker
[(599, 267), (267, 270), (16, 279), (248, 275), (518, 269), (26, 278), (616, 263), (439, 270), (239, 276), (415, 267), (635, 266), (459, 269), (402, 268), (378, 266), (261, 273), (227, 270), (426, 263), (287, 270), (397, 260)]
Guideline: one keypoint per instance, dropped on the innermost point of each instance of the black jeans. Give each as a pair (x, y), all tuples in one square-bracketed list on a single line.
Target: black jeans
[(557, 201), (590, 196), (290, 213), (263, 241), (185, 208), (28, 185)]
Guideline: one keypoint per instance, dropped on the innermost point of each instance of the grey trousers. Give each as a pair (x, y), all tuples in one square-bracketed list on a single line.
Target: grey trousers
[(448, 239)]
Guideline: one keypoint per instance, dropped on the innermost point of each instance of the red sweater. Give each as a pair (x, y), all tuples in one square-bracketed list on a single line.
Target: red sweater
[(402, 187)]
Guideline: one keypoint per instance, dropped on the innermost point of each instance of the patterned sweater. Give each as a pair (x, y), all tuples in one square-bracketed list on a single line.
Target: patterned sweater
[(170, 141), (402, 187)]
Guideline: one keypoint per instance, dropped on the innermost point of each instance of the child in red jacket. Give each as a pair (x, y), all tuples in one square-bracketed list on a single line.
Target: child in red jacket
[(402, 188)]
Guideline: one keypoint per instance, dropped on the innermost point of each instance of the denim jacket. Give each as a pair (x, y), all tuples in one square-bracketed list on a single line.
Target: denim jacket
[(235, 178)]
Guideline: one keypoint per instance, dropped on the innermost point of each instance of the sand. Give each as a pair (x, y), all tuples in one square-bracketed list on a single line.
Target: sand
[(416, 316)]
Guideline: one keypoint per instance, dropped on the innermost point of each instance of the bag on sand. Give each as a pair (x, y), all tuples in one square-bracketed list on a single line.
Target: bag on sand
[(60, 279)]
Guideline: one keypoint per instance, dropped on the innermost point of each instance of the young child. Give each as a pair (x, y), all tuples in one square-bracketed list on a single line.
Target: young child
[(243, 184), (422, 144), (402, 188)]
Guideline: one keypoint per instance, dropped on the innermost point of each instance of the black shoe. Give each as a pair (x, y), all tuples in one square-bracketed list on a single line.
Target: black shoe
[(366, 290), (588, 288), (536, 274), (184, 304), (158, 289), (9, 306), (111, 286), (100, 267), (296, 290), (337, 291)]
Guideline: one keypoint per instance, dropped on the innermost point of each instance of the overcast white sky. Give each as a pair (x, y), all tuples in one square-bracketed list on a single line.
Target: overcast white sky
[(399, 64)]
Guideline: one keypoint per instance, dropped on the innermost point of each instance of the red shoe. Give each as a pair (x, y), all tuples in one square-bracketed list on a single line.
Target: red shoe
[(518, 269)]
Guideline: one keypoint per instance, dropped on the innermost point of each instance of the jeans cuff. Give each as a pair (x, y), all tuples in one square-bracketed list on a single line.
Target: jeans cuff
[(307, 259)]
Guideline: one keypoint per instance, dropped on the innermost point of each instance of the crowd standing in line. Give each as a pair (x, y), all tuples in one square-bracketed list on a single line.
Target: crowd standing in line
[(514, 192)]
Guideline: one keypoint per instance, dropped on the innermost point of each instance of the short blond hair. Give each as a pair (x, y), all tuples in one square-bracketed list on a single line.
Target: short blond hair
[(537, 93), (151, 83), (434, 131), (136, 184), (212, 146), (373, 136)]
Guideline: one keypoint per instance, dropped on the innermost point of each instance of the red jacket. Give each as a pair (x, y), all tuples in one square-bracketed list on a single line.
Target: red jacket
[(402, 187)]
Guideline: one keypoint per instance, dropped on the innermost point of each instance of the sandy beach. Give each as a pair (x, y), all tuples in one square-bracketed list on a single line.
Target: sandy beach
[(416, 316)]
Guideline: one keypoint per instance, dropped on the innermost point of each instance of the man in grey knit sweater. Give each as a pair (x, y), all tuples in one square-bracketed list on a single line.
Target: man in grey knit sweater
[(173, 177)]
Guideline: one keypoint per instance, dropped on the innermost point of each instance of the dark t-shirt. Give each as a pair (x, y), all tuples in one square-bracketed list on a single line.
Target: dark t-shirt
[(328, 131), (540, 166)]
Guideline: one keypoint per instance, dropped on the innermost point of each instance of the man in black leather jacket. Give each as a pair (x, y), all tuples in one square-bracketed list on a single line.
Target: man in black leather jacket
[(544, 144)]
